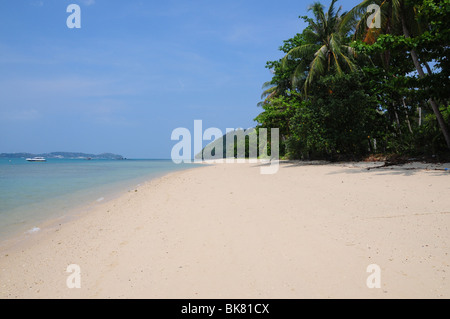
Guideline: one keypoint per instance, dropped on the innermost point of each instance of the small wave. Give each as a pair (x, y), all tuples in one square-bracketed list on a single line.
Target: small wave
[(34, 230), (101, 199)]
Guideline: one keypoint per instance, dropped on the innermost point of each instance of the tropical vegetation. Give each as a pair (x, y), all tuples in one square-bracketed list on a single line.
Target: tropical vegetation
[(372, 80)]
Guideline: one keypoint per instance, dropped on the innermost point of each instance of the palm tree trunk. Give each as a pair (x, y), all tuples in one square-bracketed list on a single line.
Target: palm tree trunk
[(420, 116), (407, 116), (433, 103), (399, 131), (428, 68)]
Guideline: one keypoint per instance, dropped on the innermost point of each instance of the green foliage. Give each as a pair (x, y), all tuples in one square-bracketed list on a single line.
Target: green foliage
[(307, 139), (278, 113), (364, 92), (428, 138), (340, 119), (324, 50), (281, 83)]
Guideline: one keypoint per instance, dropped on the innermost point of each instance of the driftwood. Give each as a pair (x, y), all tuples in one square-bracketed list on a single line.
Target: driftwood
[(398, 160), (393, 161), (399, 163)]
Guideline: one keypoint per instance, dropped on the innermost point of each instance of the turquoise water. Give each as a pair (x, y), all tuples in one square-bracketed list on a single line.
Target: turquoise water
[(31, 193)]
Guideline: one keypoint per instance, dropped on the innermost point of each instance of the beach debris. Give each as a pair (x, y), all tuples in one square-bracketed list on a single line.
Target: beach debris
[(392, 161)]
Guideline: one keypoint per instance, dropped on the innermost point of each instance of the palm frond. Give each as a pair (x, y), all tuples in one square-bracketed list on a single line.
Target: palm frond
[(299, 52), (269, 92), (317, 66)]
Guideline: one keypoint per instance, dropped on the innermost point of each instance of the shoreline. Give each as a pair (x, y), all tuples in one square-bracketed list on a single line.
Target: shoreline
[(47, 225), (225, 231)]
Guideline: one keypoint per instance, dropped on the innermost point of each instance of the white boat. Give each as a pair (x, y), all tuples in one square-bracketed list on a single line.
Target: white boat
[(36, 159)]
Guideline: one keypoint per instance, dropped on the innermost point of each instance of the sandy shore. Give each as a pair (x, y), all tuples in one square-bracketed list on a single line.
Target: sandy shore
[(226, 231)]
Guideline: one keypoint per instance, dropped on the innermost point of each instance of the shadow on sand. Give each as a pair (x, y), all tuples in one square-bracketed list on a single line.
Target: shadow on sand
[(409, 169)]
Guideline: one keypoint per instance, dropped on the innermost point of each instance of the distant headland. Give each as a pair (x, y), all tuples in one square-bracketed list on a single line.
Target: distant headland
[(66, 155)]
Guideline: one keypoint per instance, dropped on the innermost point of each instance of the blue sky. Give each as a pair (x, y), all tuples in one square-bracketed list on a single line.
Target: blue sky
[(135, 71)]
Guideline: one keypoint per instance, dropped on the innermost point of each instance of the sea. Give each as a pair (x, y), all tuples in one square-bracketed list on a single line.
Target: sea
[(32, 193)]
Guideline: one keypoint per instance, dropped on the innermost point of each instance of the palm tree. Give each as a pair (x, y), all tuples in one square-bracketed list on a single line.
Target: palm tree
[(270, 90), (326, 46), (398, 18)]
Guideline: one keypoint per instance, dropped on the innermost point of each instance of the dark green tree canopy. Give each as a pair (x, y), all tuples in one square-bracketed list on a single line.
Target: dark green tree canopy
[(344, 88)]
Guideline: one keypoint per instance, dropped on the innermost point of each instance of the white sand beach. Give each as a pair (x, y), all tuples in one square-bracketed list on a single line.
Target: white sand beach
[(226, 231)]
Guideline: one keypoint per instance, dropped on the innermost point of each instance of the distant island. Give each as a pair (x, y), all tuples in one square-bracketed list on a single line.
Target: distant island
[(66, 155)]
